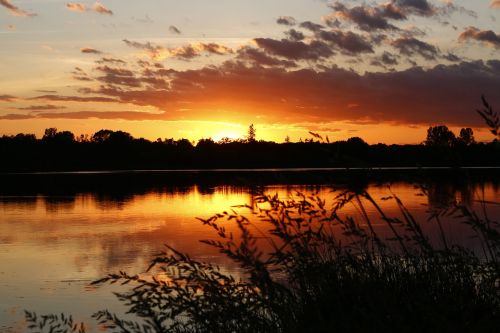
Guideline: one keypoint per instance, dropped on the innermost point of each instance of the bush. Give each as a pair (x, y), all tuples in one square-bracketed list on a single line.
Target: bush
[(311, 269)]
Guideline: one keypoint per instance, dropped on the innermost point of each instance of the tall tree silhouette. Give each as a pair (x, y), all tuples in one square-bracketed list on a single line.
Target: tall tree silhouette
[(440, 136), (251, 133)]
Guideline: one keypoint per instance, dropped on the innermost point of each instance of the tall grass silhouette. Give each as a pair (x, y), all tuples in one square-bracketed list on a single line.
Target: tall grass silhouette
[(322, 271)]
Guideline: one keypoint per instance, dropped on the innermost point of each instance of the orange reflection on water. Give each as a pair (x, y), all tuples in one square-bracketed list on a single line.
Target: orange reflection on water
[(52, 247)]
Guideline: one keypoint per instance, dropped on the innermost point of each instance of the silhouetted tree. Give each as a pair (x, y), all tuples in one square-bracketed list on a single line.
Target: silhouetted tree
[(466, 136), (50, 133), (357, 141), (106, 135), (102, 135), (251, 133), (440, 136), (25, 138)]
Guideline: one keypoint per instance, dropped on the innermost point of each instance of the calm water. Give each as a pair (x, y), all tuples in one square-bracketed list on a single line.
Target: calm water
[(52, 246)]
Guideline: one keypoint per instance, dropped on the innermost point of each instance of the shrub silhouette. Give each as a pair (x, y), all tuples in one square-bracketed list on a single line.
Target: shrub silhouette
[(310, 268)]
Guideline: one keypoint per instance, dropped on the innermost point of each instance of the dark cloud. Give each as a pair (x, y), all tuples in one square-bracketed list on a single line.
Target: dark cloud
[(385, 59), (451, 57), (294, 35), (418, 7), (7, 98), (260, 58), (108, 115), (174, 30), (410, 46), (486, 36), (311, 26), (286, 20), (42, 107), (111, 61), (445, 93), (294, 50), (367, 17), (14, 10), (15, 116), (90, 50), (349, 41), (73, 98), (43, 91)]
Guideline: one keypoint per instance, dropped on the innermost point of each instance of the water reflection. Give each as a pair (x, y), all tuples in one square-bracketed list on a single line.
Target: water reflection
[(51, 245)]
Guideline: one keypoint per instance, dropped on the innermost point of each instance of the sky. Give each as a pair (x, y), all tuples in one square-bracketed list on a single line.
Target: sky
[(383, 70)]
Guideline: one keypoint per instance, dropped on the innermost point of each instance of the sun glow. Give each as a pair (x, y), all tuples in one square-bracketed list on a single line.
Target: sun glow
[(229, 134)]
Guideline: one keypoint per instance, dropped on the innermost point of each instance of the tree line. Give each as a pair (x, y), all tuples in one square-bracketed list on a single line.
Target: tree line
[(119, 150)]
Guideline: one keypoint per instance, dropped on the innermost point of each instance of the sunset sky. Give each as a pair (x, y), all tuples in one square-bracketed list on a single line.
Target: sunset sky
[(383, 70)]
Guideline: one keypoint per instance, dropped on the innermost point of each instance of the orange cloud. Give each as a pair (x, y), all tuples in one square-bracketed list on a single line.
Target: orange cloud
[(90, 50), (186, 52), (238, 89), (81, 8), (14, 10), (486, 36), (76, 7), (101, 9), (7, 98), (495, 4)]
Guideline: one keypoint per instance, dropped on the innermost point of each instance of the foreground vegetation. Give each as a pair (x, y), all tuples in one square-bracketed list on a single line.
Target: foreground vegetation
[(311, 268)]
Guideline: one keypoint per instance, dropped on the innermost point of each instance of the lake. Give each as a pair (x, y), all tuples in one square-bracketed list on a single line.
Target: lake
[(59, 232)]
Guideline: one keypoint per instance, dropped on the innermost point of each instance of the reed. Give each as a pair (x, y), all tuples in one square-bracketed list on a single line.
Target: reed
[(311, 268)]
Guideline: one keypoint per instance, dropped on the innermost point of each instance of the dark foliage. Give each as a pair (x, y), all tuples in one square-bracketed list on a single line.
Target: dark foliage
[(490, 117), (310, 268), (117, 150)]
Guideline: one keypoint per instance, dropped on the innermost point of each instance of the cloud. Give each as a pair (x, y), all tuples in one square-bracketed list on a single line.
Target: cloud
[(260, 58), (444, 93), (42, 107), (495, 4), (81, 8), (10, 27), (101, 9), (7, 98), (76, 7), (186, 52), (111, 61), (174, 30), (15, 116), (410, 46), (73, 98), (311, 26), (486, 36), (90, 50), (286, 20), (107, 115), (295, 35), (348, 42), (368, 17), (385, 59), (418, 7), (294, 50), (14, 10)]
